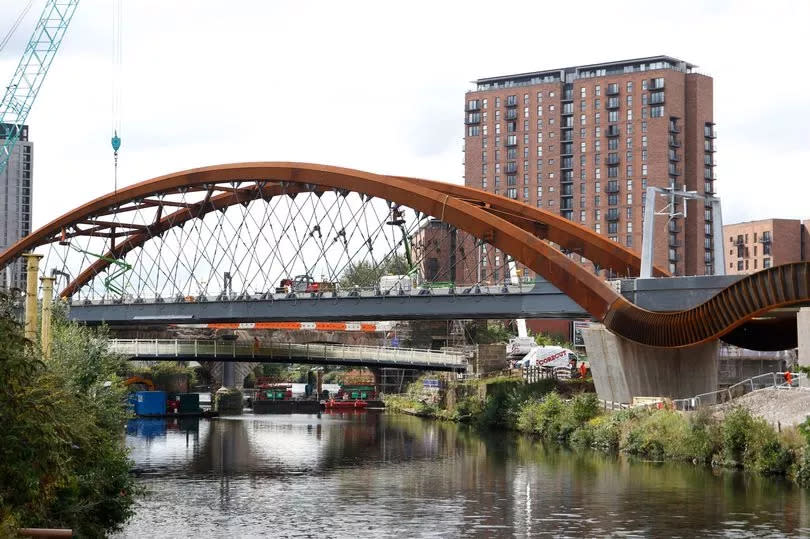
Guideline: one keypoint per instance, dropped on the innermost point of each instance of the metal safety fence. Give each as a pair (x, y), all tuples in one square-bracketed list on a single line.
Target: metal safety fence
[(234, 350)]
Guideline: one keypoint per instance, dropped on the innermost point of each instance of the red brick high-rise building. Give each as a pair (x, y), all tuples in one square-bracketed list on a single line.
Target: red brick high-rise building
[(587, 141), (756, 245)]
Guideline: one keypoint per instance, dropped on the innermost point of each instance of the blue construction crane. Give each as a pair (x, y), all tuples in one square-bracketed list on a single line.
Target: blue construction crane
[(34, 64)]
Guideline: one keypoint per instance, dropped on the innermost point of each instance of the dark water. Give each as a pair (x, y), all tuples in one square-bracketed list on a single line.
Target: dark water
[(377, 475)]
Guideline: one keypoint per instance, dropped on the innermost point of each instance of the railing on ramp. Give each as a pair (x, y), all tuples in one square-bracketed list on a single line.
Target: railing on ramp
[(315, 352)]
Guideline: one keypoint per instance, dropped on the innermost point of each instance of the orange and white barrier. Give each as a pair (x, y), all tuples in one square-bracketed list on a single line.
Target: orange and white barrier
[(369, 327)]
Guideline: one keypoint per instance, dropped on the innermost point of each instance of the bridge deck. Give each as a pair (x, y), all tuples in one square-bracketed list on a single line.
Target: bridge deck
[(322, 354), (535, 300)]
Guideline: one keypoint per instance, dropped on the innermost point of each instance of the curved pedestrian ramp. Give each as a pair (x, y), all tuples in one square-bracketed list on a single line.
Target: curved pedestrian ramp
[(311, 353)]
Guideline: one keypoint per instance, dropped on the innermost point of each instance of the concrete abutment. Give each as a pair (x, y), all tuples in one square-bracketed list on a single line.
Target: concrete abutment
[(803, 326), (623, 369)]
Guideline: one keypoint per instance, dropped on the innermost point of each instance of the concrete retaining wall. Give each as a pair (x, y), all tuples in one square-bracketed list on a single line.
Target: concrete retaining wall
[(490, 358)]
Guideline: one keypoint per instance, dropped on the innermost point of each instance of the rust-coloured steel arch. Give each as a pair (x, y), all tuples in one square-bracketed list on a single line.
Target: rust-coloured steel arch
[(544, 224), (581, 285), (503, 223)]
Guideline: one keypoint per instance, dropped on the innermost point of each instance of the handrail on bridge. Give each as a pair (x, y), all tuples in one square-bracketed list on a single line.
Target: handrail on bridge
[(325, 351)]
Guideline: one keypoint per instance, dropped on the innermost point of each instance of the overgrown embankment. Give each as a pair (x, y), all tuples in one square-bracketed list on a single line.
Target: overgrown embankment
[(63, 463), (561, 412)]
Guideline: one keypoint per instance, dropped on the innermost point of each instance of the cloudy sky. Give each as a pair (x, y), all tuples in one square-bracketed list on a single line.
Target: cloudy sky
[(380, 86)]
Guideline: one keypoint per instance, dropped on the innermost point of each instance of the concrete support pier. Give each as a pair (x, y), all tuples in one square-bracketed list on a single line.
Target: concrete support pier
[(803, 323), (228, 401), (228, 398), (624, 369)]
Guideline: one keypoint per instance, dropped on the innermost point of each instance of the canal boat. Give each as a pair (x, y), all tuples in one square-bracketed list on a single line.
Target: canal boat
[(333, 404), (352, 396)]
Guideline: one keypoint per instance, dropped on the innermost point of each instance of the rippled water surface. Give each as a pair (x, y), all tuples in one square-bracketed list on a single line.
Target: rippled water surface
[(377, 475)]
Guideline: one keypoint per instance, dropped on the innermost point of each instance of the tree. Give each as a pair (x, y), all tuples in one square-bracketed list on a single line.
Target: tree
[(551, 339), (365, 274), (62, 458), (488, 332)]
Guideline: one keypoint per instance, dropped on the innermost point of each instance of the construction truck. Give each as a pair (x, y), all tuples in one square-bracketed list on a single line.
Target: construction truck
[(304, 284)]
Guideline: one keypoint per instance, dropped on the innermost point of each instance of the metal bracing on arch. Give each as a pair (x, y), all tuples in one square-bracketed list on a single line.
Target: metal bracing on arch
[(241, 231)]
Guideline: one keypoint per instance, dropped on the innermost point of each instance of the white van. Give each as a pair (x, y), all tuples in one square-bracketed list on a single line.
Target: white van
[(393, 284)]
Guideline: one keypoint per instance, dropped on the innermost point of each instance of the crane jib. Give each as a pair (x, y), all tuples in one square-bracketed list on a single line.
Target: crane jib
[(27, 80)]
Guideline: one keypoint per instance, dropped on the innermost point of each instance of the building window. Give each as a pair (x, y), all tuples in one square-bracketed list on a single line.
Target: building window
[(657, 112), (629, 240), (766, 262), (597, 90), (629, 86), (473, 131), (629, 198)]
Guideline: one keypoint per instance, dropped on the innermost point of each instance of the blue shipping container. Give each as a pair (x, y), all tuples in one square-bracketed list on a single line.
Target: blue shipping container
[(150, 403)]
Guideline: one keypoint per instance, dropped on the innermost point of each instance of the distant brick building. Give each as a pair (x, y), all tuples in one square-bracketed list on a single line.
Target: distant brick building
[(587, 141), (755, 245)]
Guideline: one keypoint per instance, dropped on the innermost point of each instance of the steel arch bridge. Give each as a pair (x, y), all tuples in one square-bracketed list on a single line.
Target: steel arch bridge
[(239, 230)]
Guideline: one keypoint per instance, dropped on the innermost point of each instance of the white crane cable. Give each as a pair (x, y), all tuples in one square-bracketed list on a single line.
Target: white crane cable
[(16, 25), (117, 84)]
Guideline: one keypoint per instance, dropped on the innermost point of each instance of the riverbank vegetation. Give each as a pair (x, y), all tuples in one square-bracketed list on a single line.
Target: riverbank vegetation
[(565, 412), (62, 459)]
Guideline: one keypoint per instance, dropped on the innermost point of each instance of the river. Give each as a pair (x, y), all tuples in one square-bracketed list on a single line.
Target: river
[(373, 474)]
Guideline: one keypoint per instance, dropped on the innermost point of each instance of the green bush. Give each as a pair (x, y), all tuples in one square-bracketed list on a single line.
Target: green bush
[(804, 427), (764, 453), (467, 408), (802, 472), (702, 438), (606, 433), (584, 436), (62, 460), (736, 425)]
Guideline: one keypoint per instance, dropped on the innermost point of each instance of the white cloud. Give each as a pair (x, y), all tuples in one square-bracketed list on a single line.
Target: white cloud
[(380, 86)]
